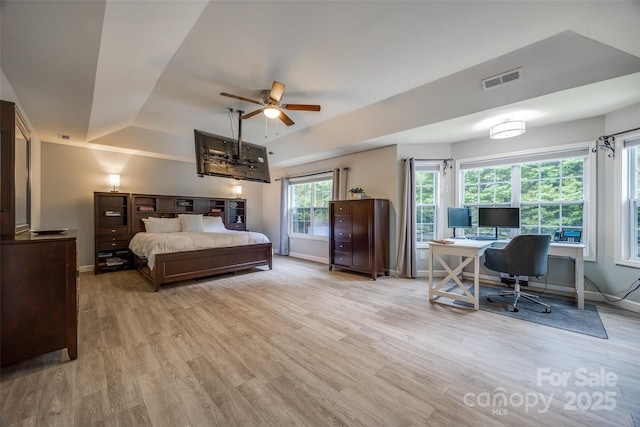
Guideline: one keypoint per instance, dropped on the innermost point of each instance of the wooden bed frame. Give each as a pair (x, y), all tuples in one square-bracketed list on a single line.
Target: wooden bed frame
[(179, 266)]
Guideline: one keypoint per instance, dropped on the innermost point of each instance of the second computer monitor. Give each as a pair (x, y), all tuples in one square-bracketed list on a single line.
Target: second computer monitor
[(499, 217)]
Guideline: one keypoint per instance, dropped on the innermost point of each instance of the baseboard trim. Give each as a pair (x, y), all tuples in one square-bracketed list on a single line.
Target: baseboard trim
[(85, 268), (309, 257)]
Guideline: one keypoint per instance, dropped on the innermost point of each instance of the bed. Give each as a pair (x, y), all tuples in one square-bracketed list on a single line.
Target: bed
[(177, 249)]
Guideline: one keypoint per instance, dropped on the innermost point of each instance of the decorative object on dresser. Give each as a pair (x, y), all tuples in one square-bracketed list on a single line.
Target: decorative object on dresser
[(359, 236), (39, 305), (112, 222), (193, 264)]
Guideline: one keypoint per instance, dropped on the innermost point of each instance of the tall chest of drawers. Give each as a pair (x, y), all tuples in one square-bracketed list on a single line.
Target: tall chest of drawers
[(359, 236)]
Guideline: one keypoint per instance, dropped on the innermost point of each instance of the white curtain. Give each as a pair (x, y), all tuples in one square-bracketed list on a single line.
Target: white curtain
[(406, 262), (343, 183), (339, 184), (336, 185), (284, 217)]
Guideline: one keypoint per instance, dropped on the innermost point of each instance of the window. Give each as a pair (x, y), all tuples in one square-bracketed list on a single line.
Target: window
[(628, 207), (426, 182), (484, 187), (634, 201), (309, 207), (550, 188)]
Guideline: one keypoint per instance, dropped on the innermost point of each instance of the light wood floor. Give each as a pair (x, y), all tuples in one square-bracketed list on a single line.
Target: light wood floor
[(301, 346)]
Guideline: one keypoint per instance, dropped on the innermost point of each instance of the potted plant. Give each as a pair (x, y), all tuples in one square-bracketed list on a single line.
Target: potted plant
[(357, 193)]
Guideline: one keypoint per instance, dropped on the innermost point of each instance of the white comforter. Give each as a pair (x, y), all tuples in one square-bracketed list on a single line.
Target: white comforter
[(148, 245)]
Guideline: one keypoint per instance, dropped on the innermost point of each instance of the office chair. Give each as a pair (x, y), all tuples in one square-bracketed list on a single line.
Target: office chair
[(524, 255)]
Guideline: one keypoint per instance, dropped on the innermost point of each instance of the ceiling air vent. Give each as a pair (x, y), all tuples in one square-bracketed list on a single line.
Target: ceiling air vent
[(504, 78)]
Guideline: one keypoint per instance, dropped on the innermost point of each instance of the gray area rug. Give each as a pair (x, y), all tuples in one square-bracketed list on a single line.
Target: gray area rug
[(564, 313)]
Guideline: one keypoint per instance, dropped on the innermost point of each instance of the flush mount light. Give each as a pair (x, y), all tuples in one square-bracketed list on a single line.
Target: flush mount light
[(507, 129), (271, 112)]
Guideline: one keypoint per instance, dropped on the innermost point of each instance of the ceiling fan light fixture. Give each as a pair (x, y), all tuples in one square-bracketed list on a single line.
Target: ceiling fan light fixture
[(507, 129), (271, 112)]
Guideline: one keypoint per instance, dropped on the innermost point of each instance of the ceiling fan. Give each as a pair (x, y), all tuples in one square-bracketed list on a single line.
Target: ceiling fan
[(272, 107)]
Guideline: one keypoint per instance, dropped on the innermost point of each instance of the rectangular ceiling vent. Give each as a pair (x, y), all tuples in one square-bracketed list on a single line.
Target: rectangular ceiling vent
[(501, 79)]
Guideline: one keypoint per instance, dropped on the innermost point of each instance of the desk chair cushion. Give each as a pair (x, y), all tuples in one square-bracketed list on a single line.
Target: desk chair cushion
[(524, 255)]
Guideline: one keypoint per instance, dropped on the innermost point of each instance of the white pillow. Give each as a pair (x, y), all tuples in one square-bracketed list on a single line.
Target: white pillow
[(213, 224), (162, 225), (191, 222)]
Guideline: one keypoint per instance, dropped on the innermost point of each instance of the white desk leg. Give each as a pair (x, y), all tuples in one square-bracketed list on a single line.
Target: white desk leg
[(430, 273), (580, 279), (476, 282)]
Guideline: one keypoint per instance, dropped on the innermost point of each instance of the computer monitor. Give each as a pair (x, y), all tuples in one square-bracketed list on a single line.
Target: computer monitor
[(499, 218), (458, 218)]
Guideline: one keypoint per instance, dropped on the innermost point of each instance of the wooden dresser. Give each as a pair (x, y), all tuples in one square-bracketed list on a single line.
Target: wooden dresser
[(359, 236), (38, 296)]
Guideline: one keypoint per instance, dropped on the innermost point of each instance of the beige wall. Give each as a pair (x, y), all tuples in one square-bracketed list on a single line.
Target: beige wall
[(375, 171), (71, 175)]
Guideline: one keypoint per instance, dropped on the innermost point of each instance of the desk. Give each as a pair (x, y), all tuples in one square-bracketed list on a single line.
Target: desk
[(468, 250), (576, 251), (472, 250)]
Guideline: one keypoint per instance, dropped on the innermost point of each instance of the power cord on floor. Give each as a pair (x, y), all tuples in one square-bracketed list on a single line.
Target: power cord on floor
[(628, 291)]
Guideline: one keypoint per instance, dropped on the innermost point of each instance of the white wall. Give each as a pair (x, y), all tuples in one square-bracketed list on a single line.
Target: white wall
[(8, 94), (72, 174)]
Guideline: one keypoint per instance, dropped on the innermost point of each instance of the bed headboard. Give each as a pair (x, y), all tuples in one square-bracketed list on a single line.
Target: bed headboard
[(160, 206)]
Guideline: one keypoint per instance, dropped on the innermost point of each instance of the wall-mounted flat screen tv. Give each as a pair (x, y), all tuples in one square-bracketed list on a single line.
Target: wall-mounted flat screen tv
[(224, 157)]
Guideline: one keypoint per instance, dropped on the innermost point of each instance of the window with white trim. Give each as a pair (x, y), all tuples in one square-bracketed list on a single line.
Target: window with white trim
[(309, 206), (551, 188), (628, 243), (426, 186)]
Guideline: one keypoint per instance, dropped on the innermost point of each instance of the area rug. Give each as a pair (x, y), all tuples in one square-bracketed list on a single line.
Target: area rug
[(564, 313)]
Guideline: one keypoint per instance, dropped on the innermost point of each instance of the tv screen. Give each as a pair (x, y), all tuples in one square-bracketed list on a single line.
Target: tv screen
[(499, 217), (224, 157), (459, 217)]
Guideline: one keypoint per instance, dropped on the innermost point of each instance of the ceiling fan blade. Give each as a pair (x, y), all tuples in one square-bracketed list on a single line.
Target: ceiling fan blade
[(242, 98), (251, 114), (285, 119), (277, 89), (302, 107)]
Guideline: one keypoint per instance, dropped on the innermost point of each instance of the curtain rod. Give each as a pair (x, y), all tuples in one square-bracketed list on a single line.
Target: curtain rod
[(311, 174), (608, 140)]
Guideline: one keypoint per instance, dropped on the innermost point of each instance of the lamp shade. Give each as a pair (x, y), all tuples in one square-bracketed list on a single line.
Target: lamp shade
[(114, 181), (507, 129), (271, 112)]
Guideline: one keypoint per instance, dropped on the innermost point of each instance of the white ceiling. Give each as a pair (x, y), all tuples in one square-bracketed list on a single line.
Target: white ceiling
[(142, 75)]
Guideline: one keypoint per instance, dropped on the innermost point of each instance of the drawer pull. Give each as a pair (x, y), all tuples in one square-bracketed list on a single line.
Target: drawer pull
[(113, 244), (113, 231)]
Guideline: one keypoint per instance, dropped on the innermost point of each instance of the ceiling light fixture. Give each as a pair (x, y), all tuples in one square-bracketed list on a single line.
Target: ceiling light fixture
[(271, 112), (507, 129)]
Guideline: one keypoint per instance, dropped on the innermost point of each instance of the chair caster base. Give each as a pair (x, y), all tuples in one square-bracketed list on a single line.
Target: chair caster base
[(489, 299), (514, 309), (547, 310)]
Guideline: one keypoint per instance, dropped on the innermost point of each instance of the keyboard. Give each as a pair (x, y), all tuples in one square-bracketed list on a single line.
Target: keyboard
[(481, 238)]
